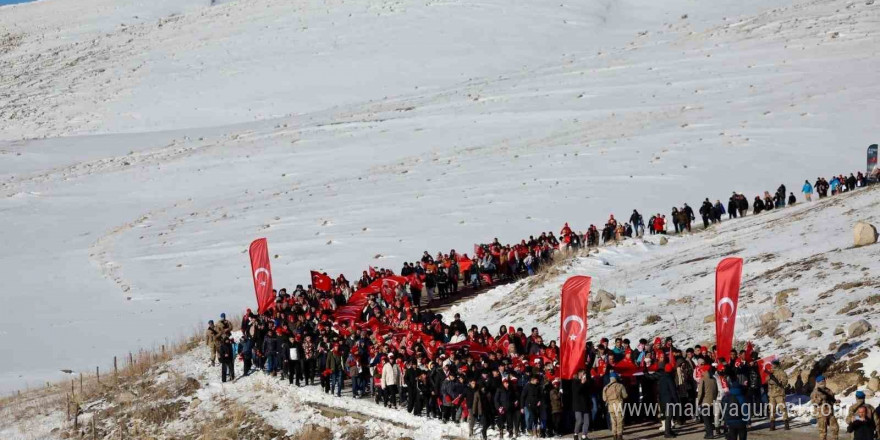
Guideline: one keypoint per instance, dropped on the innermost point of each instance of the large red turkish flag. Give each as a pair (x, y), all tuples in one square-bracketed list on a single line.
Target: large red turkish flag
[(727, 279), (573, 331), (262, 273), (321, 282)]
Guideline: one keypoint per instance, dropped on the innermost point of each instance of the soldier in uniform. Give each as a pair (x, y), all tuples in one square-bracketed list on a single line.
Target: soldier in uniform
[(614, 394), (224, 327), (211, 340), (776, 382), (824, 400)]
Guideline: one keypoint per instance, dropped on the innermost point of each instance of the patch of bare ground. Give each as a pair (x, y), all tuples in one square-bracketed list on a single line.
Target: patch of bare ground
[(238, 422), (10, 41), (851, 285), (544, 274), (790, 271)]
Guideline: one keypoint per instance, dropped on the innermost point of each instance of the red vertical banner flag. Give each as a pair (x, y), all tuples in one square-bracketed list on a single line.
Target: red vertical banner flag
[(573, 331), (321, 282), (262, 272), (728, 276)]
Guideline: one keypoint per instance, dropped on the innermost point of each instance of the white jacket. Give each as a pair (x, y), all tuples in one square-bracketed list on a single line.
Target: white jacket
[(390, 374)]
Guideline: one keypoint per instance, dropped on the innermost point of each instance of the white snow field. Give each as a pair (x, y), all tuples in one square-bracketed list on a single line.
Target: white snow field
[(146, 143)]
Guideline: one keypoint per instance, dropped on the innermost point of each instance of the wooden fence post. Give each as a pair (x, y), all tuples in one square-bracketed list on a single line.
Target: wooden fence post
[(98, 374), (80, 382), (68, 406), (115, 371)]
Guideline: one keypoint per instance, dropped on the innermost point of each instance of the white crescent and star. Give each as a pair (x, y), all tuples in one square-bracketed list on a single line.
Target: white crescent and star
[(573, 318), (725, 318), (258, 272)]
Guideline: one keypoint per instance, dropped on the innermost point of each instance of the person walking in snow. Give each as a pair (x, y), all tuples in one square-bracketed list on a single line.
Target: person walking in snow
[(807, 189), (227, 360), (638, 223), (742, 204), (706, 212), (390, 382), (732, 207), (212, 340), (688, 215)]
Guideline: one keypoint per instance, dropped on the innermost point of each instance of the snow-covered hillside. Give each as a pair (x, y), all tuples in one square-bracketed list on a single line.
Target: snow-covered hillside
[(804, 287), (803, 250), (147, 143)]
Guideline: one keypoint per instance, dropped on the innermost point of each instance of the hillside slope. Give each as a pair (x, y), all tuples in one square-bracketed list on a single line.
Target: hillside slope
[(804, 286), (803, 250)]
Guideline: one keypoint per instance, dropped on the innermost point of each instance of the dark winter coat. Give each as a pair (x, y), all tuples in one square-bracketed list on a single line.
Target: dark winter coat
[(666, 389), (862, 429), (226, 355), (555, 400), (504, 400), (482, 404), (736, 408), (531, 395), (581, 401)]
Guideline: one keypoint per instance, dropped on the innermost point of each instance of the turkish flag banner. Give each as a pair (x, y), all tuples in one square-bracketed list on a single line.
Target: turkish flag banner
[(728, 276), (321, 282), (262, 273), (573, 331)]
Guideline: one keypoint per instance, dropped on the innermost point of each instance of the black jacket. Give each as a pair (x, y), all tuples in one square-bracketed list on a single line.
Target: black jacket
[(226, 352), (504, 400), (581, 400), (531, 395), (862, 429), (665, 387)]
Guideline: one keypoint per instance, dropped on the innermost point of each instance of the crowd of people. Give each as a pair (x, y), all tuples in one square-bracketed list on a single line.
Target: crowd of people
[(380, 337)]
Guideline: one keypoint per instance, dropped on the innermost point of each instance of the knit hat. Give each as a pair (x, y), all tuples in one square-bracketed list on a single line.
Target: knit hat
[(860, 394), (820, 378), (223, 315)]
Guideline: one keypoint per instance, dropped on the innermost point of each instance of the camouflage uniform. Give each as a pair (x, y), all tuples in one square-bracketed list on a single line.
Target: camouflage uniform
[(224, 327), (776, 394), (212, 337), (614, 395), (824, 400)]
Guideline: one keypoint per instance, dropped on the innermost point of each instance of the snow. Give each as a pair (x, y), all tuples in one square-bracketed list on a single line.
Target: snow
[(145, 144), (807, 248)]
